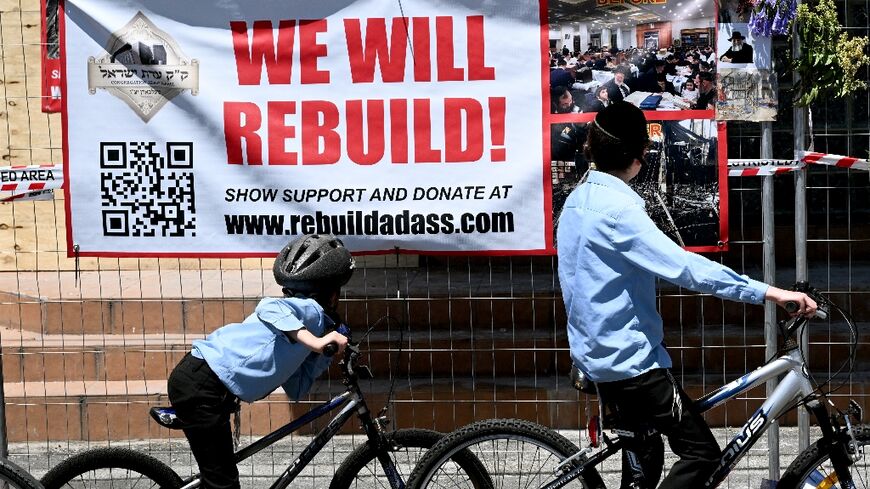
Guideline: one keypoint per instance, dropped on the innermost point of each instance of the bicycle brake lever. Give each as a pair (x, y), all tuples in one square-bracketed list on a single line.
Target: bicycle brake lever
[(855, 410)]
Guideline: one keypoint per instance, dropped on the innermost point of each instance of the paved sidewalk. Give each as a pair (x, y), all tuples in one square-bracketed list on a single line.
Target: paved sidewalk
[(261, 471)]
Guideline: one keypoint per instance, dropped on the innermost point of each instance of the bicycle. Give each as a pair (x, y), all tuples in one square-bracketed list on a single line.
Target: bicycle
[(373, 464), (518, 453), (14, 477)]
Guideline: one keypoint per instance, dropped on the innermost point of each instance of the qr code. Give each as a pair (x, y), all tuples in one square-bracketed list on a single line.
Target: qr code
[(146, 192)]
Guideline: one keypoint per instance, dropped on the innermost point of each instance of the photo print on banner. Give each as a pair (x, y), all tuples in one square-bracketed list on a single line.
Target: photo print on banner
[(50, 47), (746, 81), (680, 181), (656, 54), (660, 56), (225, 131)]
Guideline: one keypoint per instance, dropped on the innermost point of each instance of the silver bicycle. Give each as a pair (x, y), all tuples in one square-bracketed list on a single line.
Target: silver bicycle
[(518, 453)]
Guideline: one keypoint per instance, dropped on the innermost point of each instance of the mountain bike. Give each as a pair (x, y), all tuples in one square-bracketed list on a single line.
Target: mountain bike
[(14, 477), (378, 463), (518, 453)]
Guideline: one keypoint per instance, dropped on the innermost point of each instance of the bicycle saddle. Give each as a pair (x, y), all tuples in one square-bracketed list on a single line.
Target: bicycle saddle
[(165, 416)]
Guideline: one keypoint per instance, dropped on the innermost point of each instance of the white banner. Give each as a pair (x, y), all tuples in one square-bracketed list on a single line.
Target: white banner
[(227, 129)]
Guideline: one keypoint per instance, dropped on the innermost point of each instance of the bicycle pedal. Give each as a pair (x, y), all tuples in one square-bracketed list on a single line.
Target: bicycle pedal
[(165, 416)]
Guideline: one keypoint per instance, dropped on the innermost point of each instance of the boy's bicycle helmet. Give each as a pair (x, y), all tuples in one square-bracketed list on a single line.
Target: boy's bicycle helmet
[(313, 263)]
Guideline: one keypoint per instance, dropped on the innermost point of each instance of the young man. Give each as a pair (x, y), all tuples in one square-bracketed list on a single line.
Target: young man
[(617, 88), (610, 254), (597, 100), (278, 345), (706, 92)]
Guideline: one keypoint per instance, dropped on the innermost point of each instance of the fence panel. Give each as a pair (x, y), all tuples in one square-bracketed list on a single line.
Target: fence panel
[(453, 339)]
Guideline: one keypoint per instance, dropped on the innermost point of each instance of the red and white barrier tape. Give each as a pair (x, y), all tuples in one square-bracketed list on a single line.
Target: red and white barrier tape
[(835, 160), (29, 178), (35, 195), (752, 168)]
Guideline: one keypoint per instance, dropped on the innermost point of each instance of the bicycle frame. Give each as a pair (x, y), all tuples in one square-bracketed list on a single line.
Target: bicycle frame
[(351, 402), (795, 385)]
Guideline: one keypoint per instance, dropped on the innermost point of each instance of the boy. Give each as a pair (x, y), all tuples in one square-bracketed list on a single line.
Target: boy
[(278, 345), (610, 254)]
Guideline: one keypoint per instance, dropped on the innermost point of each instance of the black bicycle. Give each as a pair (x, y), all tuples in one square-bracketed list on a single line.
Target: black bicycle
[(517, 453), (14, 477), (381, 462)]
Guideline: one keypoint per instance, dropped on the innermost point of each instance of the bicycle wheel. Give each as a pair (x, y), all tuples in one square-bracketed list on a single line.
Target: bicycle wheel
[(111, 467), (361, 469), (14, 477), (813, 469), (513, 452)]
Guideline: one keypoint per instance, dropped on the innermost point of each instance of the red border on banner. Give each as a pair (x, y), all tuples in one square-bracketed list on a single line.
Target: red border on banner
[(64, 118), (548, 249), (546, 121)]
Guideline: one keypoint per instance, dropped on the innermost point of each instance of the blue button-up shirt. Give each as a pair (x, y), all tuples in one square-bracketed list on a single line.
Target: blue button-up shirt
[(610, 253), (254, 357)]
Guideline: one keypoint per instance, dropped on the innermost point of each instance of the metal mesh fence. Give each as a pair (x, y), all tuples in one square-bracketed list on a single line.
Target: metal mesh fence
[(86, 353)]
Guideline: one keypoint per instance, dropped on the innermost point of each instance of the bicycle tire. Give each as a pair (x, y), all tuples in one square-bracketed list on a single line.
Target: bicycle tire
[(121, 467), (15, 477), (488, 439), (362, 469), (812, 467)]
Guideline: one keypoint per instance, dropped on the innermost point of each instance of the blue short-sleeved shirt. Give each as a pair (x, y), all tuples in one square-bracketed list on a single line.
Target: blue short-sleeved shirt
[(254, 357), (610, 253)]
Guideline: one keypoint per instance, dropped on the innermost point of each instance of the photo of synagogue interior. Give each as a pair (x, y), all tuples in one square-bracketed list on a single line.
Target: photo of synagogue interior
[(656, 54)]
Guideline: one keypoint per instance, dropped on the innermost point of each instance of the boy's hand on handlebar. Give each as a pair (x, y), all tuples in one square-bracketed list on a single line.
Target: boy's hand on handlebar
[(334, 337), (806, 305)]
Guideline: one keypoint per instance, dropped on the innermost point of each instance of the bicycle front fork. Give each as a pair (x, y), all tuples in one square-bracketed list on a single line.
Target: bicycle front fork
[(839, 441)]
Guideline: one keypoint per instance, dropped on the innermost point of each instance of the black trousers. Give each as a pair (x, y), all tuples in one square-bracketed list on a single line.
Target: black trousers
[(656, 400), (204, 404)]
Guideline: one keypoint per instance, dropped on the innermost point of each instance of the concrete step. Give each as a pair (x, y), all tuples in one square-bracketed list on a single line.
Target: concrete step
[(198, 316), (481, 352), (54, 358), (198, 301), (118, 410)]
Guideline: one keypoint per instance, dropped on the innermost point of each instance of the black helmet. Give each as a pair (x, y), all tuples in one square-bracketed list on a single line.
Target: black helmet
[(313, 263)]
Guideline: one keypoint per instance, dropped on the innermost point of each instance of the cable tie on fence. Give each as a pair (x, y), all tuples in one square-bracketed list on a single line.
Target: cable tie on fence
[(77, 269)]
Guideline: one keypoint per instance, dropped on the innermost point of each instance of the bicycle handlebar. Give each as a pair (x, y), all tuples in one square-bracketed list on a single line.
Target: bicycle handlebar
[(330, 349), (792, 307)]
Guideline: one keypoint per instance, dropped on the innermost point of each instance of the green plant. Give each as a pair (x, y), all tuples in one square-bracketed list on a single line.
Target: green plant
[(830, 59)]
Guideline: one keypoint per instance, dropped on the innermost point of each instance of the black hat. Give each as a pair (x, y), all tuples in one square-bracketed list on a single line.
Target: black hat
[(736, 35), (625, 122)]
